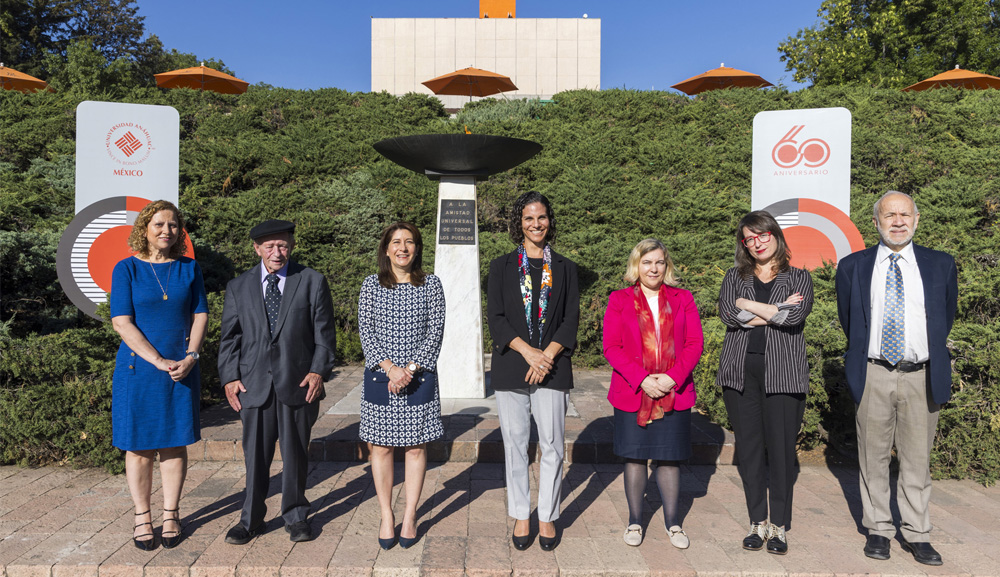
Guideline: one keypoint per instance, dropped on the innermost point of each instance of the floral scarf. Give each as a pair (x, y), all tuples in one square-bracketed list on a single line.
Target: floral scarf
[(544, 291), (657, 353)]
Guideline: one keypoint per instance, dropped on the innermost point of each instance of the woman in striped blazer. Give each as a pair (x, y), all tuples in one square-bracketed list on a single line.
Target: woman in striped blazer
[(763, 372)]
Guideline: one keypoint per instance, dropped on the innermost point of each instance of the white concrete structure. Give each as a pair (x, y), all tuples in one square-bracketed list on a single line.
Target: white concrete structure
[(460, 366), (542, 56)]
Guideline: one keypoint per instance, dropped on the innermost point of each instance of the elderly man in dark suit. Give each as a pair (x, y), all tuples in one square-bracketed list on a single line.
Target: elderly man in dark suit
[(896, 303), (277, 349)]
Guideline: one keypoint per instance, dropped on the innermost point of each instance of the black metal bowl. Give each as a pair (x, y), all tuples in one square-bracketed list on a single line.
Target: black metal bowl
[(478, 155)]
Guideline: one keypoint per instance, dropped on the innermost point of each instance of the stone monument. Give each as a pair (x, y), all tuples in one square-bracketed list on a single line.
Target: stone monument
[(457, 161)]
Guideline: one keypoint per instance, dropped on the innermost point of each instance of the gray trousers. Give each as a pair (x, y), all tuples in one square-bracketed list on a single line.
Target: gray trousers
[(516, 409), (896, 408), (290, 427)]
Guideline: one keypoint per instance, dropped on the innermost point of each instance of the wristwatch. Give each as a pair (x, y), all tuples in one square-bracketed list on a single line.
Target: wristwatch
[(412, 367), (193, 354)]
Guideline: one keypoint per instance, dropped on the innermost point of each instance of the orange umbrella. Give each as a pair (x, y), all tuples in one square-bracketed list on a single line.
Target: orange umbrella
[(721, 77), (958, 78), (202, 78), (11, 79), (470, 81)]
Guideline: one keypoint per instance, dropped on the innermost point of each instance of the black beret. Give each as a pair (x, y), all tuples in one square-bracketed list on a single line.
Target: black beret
[(272, 226)]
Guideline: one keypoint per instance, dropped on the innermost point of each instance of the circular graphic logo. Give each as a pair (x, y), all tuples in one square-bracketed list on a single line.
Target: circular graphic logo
[(91, 246), (788, 152), (816, 232), (128, 143)]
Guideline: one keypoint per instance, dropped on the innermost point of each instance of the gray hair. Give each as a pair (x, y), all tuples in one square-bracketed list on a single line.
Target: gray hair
[(878, 202)]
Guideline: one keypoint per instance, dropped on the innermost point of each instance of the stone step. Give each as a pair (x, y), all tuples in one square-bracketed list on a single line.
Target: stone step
[(471, 428)]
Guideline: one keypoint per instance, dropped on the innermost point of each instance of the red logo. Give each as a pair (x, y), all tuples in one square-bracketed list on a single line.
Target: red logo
[(788, 152), (128, 144)]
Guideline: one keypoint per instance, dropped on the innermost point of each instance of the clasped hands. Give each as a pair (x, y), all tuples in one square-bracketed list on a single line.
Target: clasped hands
[(539, 365), (176, 369), (399, 378), (657, 385)]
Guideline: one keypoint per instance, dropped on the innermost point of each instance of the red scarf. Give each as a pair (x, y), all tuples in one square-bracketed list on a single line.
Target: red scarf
[(657, 357)]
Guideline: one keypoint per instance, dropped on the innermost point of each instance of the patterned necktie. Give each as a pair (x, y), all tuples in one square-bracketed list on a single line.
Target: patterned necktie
[(272, 301), (892, 314)]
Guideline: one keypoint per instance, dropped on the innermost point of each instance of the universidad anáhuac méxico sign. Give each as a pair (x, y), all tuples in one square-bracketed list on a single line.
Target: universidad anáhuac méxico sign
[(127, 155), (802, 176)]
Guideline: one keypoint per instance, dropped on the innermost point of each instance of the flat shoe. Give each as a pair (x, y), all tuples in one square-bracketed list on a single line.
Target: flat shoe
[(777, 544), (877, 547), (633, 535), (678, 538), (239, 535), (299, 531), (754, 541), (548, 543), (922, 552), (521, 542)]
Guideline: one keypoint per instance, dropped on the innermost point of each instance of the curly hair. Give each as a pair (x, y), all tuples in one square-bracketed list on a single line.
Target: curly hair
[(760, 221), (386, 277), (137, 239), (514, 225)]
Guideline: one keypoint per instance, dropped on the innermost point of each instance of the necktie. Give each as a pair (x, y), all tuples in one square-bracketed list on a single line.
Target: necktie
[(892, 314), (272, 301)]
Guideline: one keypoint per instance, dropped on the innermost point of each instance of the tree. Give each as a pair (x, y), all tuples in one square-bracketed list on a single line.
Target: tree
[(30, 29), (894, 43)]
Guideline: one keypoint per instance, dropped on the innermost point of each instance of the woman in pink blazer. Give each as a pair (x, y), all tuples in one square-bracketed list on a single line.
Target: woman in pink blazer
[(653, 340)]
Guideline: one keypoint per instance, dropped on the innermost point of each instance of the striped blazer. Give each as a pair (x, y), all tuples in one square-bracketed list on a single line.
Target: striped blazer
[(785, 356)]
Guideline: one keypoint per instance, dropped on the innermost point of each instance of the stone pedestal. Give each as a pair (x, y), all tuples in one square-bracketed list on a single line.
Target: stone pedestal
[(458, 161), (456, 262)]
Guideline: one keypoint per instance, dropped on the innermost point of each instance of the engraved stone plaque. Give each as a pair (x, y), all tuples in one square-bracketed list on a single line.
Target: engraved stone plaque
[(457, 222)]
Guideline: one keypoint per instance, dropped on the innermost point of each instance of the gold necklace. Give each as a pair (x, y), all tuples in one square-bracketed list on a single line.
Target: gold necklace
[(162, 290)]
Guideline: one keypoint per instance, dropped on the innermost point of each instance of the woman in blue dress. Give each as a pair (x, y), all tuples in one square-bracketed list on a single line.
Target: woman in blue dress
[(401, 320), (158, 306)]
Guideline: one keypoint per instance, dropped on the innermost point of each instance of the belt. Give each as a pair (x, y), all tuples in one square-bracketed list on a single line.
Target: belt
[(901, 366)]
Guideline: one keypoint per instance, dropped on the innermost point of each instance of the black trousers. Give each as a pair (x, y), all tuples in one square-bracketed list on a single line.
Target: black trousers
[(290, 427), (766, 427)]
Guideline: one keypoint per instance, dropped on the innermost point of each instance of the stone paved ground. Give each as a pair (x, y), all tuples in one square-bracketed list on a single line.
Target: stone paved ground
[(60, 522)]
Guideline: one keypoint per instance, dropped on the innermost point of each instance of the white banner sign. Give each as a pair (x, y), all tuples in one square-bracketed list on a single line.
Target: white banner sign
[(802, 176), (126, 150), (127, 155)]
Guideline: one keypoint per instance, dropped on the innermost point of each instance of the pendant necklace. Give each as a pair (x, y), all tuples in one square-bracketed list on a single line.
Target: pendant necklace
[(158, 278)]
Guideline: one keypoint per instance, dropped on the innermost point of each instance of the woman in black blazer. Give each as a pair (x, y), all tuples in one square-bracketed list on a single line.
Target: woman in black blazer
[(763, 372), (533, 310)]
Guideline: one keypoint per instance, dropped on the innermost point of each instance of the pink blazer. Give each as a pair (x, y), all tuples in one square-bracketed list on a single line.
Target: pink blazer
[(623, 348)]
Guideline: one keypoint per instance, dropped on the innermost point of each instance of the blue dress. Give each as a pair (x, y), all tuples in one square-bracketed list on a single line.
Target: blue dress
[(148, 409)]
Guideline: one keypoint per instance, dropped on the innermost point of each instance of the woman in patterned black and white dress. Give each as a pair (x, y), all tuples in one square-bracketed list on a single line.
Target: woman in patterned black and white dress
[(401, 321)]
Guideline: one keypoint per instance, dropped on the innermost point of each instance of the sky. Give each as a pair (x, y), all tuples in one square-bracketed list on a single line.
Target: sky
[(645, 44)]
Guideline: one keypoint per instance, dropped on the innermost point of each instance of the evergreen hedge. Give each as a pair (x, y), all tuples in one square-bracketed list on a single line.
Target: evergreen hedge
[(619, 165)]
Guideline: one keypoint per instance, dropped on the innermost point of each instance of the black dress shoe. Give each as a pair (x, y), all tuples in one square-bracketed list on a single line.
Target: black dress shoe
[(299, 531), (754, 541), (521, 543), (877, 547), (239, 535), (548, 543), (922, 552), (777, 543)]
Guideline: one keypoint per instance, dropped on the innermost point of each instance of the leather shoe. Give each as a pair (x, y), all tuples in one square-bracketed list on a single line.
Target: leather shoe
[(521, 542), (299, 531), (877, 547), (922, 552), (548, 543), (239, 535)]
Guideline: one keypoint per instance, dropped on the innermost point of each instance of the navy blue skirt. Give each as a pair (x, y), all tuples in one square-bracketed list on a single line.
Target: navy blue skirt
[(666, 439)]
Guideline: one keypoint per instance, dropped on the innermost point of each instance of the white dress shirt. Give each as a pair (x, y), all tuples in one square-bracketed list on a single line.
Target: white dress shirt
[(915, 319), (282, 273)]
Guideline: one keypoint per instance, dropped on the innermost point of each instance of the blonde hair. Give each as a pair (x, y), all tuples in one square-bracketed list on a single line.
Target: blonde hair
[(645, 247), (137, 239)]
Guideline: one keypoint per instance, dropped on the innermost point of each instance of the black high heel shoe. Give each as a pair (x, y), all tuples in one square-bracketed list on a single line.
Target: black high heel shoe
[(175, 536), (144, 544), (387, 544)]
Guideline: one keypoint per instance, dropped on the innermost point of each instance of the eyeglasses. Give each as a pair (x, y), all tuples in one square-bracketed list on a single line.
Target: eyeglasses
[(762, 238)]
